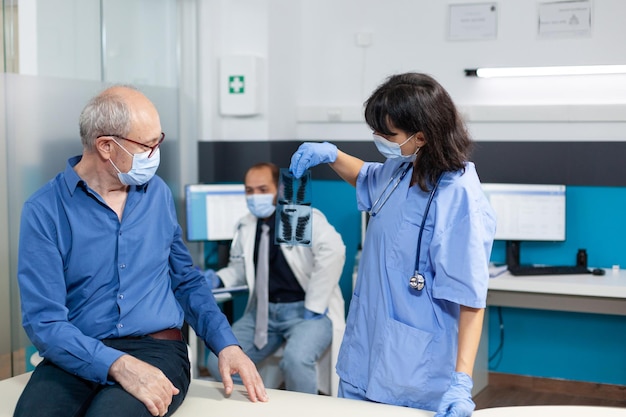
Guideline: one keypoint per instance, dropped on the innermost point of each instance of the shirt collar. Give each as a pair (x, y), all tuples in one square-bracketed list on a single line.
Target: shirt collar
[(73, 180)]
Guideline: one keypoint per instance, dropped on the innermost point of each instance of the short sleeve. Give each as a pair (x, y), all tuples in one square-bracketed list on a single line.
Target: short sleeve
[(460, 257)]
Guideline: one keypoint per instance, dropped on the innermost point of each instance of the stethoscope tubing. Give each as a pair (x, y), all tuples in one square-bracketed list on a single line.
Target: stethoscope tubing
[(417, 280), (419, 236), (375, 210)]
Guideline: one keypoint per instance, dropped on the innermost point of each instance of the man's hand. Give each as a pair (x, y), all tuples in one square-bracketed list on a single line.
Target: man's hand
[(311, 315), (212, 278), (232, 360), (144, 382)]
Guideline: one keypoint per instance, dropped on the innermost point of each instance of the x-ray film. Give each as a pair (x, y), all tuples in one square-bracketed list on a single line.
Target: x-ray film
[(293, 190), (293, 209)]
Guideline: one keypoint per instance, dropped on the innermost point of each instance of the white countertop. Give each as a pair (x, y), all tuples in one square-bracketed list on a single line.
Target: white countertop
[(611, 284)]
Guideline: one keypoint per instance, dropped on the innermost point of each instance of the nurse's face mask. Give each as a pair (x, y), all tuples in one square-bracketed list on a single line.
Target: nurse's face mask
[(392, 150)]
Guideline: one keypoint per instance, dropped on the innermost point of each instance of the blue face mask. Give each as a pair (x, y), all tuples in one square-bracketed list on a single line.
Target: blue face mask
[(392, 150), (142, 169), (261, 205)]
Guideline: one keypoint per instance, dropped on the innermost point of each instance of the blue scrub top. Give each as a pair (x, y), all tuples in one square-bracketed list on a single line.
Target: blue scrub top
[(400, 344)]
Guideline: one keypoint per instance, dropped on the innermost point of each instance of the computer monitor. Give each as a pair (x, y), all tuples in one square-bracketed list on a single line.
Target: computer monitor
[(213, 210), (527, 212)]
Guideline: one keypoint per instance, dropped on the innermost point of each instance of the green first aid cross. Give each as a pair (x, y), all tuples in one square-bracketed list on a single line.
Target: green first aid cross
[(236, 84)]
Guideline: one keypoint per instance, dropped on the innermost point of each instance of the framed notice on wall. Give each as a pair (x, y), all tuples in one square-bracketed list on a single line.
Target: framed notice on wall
[(472, 22), (564, 19)]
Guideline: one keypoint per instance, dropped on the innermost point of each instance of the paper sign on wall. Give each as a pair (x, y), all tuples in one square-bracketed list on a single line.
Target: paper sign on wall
[(472, 22), (565, 18)]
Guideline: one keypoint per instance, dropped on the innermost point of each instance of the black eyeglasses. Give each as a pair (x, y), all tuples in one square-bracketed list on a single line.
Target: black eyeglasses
[(152, 148)]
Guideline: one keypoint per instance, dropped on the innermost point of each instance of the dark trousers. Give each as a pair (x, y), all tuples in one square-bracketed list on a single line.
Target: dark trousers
[(53, 392)]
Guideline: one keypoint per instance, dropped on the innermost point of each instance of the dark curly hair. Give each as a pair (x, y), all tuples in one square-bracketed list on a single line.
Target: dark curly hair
[(414, 103)]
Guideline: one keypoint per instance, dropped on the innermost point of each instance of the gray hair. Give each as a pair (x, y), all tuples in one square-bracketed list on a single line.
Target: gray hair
[(105, 114)]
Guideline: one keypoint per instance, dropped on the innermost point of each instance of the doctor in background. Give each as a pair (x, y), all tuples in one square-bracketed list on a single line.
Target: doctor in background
[(306, 308), (416, 314)]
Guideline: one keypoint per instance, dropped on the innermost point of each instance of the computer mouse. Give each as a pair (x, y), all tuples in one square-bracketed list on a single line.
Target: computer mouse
[(598, 271)]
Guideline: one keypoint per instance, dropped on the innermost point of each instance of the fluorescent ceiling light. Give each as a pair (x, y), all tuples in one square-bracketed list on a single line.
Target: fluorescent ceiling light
[(545, 71)]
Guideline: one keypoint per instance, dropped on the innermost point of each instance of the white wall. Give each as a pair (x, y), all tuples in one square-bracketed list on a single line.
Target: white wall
[(329, 76)]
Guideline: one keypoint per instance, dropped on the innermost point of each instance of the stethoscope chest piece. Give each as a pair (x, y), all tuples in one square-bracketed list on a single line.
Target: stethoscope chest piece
[(417, 281)]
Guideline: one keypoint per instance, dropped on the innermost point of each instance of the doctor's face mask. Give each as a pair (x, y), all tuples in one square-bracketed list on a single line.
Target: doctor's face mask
[(261, 205)]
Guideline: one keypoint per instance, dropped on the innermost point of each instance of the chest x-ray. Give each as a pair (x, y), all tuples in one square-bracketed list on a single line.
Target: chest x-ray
[(293, 209)]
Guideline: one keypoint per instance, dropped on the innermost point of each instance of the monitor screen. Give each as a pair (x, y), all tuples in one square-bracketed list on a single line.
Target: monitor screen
[(528, 211), (213, 210)]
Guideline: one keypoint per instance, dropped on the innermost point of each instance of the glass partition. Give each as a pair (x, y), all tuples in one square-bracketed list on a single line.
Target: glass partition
[(71, 50), (39, 136)]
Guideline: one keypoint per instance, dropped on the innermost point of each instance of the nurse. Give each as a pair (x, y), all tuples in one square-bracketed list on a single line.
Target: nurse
[(416, 315)]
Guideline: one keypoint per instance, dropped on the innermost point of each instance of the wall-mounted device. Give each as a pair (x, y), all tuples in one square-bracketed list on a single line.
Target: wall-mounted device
[(239, 85)]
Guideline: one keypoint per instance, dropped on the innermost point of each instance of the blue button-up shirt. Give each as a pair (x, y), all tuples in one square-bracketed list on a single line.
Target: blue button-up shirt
[(85, 276)]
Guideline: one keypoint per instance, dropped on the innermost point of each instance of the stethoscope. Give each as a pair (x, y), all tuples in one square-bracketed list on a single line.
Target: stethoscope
[(376, 206), (417, 280)]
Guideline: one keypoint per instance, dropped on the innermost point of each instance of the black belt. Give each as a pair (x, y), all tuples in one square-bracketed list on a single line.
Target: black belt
[(167, 334), (281, 300)]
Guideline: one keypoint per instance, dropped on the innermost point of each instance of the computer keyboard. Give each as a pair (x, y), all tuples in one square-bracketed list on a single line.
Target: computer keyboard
[(548, 270)]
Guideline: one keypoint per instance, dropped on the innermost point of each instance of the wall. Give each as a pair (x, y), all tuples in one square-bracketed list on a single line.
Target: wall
[(316, 78)]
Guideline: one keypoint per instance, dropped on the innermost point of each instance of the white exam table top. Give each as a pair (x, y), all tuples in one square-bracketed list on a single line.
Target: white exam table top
[(206, 398)]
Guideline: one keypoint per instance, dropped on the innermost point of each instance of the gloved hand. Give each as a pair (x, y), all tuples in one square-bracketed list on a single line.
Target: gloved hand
[(457, 400), (311, 315), (310, 154), (213, 279)]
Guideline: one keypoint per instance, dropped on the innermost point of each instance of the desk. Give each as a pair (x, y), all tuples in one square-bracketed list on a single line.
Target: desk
[(604, 294), (587, 293), (206, 398)]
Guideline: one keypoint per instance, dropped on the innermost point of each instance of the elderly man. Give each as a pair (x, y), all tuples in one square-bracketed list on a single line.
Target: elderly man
[(106, 281)]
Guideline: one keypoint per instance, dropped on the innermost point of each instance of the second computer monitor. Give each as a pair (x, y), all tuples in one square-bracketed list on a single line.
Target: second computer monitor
[(527, 212), (213, 210), (534, 212)]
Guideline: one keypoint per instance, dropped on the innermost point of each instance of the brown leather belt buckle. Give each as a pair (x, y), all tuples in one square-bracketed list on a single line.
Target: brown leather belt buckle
[(168, 334)]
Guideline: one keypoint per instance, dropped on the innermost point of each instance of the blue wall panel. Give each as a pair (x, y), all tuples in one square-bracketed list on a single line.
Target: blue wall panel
[(555, 344), (337, 200)]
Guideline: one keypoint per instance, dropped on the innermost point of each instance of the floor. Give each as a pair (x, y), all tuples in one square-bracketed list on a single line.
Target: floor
[(506, 390)]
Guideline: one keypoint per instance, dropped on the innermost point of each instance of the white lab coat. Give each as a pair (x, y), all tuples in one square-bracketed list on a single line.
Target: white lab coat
[(317, 268)]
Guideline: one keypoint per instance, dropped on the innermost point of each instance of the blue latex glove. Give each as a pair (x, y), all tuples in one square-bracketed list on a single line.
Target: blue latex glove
[(311, 315), (213, 279), (457, 400), (310, 154)]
